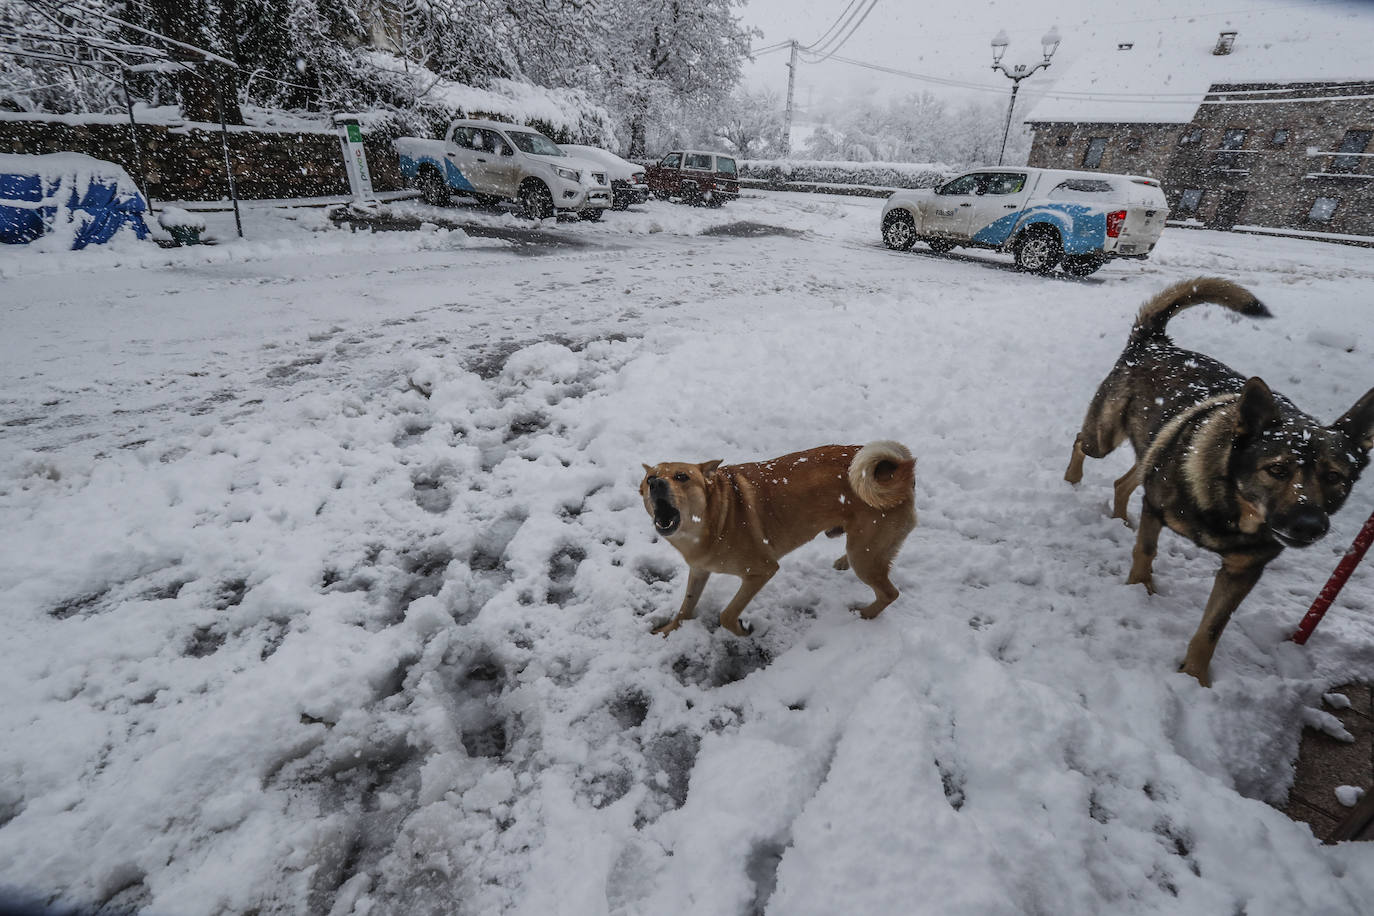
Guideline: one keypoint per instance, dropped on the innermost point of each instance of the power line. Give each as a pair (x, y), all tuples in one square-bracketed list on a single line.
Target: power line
[(848, 35), (826, 34)]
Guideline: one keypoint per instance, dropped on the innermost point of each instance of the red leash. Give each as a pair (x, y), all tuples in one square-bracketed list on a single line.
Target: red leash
[(1352, 558)]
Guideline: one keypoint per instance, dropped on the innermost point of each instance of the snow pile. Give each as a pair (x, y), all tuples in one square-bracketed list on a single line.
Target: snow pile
[(169, 115), (329, 588), (170, 217)]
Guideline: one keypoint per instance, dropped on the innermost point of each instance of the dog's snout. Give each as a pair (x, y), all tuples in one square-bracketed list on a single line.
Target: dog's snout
[(1309, 524), (1305, 526), (658, 488)]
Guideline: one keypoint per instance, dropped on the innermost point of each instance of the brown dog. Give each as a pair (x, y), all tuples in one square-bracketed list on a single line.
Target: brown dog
[(741, 519)]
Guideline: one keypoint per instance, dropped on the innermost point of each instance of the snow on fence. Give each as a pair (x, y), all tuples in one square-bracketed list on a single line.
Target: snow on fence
[(875, 178)]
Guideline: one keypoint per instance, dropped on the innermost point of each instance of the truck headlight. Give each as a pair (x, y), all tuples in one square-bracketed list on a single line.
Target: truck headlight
[(570, 174)]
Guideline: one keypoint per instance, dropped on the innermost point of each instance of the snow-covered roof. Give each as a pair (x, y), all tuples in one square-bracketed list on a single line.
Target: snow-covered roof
[(1164, 74)]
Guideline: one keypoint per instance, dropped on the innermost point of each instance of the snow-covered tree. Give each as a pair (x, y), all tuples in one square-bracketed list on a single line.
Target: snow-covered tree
[(667, 54), (750, 123), (652, 63)]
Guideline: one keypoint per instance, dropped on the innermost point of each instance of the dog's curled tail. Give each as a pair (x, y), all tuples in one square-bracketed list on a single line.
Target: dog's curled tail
[(883, 474), (1155, 314)]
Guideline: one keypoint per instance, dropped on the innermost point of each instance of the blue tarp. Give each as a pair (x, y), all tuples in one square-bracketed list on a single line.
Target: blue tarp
[(66, 193)]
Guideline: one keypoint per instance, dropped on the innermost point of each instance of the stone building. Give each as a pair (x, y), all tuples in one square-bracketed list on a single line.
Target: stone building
[(1231, 148)]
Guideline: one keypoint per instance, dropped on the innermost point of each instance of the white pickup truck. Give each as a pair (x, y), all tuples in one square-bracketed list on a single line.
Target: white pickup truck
[(493, 161), (1044, 217)]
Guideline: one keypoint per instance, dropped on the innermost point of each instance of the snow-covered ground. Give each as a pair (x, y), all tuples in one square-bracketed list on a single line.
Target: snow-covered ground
[(327, 589)]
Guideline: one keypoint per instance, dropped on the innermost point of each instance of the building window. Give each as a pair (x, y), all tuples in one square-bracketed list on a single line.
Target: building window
[(1352, 145), (1189, 201), (1191, 138), (1061, 140), (1227, 156), (1323, 208), (1092, 158), (1132, 144), (1279, 138), (1225, 42)]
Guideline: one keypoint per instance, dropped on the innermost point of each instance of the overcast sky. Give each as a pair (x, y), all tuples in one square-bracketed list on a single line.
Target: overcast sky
[(952, 41)]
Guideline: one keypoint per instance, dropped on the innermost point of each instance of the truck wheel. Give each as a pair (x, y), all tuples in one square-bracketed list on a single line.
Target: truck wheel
[(1038, 250), (940, 246), (899, 230), (536, 201), (1081, 265), (433, 188), (592, 214)]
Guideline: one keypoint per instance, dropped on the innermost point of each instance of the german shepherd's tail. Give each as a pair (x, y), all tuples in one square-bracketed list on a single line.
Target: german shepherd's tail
[(1155, 314), (883, 474)]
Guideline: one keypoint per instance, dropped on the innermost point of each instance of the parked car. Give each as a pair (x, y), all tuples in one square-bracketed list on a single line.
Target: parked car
[(1044, 217), (694, 177), (627, 178), (494, 161)]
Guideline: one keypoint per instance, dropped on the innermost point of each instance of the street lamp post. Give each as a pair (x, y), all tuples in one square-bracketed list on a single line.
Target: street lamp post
[(1049, 44)]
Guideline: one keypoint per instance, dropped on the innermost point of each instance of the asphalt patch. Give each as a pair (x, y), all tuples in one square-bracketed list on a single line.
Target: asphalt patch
[(749, 230)]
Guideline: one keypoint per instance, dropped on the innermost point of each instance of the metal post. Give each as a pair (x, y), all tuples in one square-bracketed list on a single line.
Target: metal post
[(228, 169), (1333, 587), (133, 135), (1015, 84), (787, 118)]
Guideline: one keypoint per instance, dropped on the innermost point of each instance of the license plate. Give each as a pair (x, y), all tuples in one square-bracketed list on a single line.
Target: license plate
[(1126, 249)]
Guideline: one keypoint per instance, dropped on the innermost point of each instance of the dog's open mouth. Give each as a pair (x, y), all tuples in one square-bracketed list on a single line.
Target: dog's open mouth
[(666, 517)]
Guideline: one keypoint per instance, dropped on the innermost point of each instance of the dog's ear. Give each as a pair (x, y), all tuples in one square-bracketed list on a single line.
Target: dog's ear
[(708, 468), (1257, 408), (647, 470), (1358, 422)]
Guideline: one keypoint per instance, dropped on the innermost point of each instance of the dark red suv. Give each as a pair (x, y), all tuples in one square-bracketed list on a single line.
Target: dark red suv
[(694, 177)]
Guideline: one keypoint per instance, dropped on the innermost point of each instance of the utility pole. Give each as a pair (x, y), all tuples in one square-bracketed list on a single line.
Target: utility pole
[(787, 118)]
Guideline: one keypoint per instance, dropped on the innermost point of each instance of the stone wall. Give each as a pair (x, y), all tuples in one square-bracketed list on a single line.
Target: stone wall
[(1132, 149), (1270, 179), (186, 162)]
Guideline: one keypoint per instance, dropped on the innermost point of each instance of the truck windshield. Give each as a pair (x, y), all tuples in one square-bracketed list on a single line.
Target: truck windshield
[(535, 144)]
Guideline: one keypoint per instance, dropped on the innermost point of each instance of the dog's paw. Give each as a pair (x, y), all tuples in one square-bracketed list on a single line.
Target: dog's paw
[(667, 628), (842, 563), (1146, 580), (740, 628), (1204, 677)]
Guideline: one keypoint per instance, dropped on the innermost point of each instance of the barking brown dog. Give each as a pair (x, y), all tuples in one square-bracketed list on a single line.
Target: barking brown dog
[(1225, 462), (741, 519)]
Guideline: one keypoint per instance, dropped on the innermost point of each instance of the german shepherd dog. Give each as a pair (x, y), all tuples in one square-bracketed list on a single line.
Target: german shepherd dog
[(741, 519), (1224, 461)]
